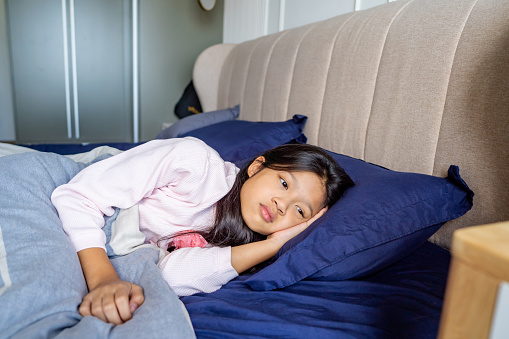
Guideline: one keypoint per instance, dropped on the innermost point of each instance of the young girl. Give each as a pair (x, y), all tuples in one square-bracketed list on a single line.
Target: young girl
[(236, 219)]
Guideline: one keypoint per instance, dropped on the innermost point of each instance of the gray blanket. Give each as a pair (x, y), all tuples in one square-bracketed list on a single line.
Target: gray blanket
[(41, 282)]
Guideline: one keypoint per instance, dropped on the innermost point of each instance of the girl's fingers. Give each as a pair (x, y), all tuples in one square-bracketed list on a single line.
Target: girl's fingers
[(320, 213), (291, 232), (97, 310), (122, 304), (137, 297), (125, 304), (113, 302), (92, 306), (314, 218), (84, 308), (110, 310)]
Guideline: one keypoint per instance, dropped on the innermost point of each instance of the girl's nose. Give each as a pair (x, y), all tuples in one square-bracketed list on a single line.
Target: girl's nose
[(280, 205)]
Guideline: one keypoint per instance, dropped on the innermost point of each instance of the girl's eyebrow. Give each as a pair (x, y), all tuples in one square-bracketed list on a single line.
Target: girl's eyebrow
[(294, 179)]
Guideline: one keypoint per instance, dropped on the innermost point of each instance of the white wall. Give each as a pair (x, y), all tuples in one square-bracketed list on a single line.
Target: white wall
[(246, 19), (300, 12), (250, 19), (172, 35)]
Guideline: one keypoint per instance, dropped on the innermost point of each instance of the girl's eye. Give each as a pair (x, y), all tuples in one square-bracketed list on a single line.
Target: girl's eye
[(300, 211), (283, 182)]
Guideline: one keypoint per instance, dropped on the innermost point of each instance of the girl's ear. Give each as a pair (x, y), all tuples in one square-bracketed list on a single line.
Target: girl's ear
[(255, 166)]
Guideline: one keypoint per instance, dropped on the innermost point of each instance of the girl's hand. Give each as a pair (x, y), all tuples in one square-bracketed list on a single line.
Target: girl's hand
[(284, 235), (249, 255), (112, 301)]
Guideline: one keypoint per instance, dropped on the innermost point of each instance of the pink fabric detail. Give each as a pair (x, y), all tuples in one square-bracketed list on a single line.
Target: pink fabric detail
[(188, 240)]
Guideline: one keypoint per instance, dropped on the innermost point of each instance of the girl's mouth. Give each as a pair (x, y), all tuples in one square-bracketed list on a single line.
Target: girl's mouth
[(266, 213)]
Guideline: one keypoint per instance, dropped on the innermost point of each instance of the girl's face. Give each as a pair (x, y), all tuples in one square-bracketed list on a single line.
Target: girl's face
[(275, 200)]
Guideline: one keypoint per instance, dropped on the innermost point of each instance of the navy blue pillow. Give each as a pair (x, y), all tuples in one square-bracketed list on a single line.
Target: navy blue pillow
[(238, 139), (383, 218)]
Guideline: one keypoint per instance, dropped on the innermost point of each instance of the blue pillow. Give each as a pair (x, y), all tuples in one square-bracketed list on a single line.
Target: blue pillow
[(238, 139), (383, 218), (195, 121)]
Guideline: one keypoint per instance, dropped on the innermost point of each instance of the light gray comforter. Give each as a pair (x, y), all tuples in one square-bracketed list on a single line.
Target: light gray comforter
[(41, 282)]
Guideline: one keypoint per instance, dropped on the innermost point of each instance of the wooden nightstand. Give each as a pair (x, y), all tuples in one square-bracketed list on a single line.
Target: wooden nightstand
[(480, 263)]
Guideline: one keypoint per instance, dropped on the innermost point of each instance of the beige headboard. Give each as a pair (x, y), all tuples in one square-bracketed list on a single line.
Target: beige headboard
[(412, 85)]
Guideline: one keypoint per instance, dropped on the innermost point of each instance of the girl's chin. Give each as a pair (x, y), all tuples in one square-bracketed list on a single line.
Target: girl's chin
[(258, 228)]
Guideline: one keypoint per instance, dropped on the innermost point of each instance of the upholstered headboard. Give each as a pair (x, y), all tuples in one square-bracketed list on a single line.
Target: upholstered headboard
[(413, 85)]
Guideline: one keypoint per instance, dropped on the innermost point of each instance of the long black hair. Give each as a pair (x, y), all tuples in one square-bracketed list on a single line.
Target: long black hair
[(229, 228)]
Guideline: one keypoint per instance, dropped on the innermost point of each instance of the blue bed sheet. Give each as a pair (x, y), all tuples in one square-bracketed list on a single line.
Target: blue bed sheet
[(402, 301)]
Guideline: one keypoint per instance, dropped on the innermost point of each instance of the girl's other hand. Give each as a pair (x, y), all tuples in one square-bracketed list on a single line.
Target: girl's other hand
[(284, 235), (112, 301)]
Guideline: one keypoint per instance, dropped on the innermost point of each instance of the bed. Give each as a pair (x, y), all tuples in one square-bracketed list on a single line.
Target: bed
[(410, 98)]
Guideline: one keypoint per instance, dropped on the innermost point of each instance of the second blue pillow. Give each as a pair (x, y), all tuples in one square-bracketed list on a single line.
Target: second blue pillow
[(238, 139)]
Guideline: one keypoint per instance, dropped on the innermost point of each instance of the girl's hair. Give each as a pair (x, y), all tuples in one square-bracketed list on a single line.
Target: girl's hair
[(229, 227)]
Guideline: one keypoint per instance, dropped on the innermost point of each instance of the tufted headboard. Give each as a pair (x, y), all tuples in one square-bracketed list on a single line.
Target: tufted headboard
[(412, 85)]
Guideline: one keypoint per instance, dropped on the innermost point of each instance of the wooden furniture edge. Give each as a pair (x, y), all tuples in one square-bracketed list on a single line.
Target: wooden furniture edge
[(480, 262)]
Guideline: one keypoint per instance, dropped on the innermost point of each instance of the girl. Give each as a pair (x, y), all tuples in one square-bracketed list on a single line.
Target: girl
[(236, 219)]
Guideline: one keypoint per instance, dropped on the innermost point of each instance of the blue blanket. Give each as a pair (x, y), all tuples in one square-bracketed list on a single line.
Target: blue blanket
[(403, 301), (41, 282)]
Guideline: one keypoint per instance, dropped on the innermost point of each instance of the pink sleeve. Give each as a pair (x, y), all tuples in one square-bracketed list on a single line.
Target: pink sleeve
[(179, 165), (194, 269)]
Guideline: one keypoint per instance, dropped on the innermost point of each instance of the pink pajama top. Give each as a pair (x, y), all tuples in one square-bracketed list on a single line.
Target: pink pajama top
[(176, 184)]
